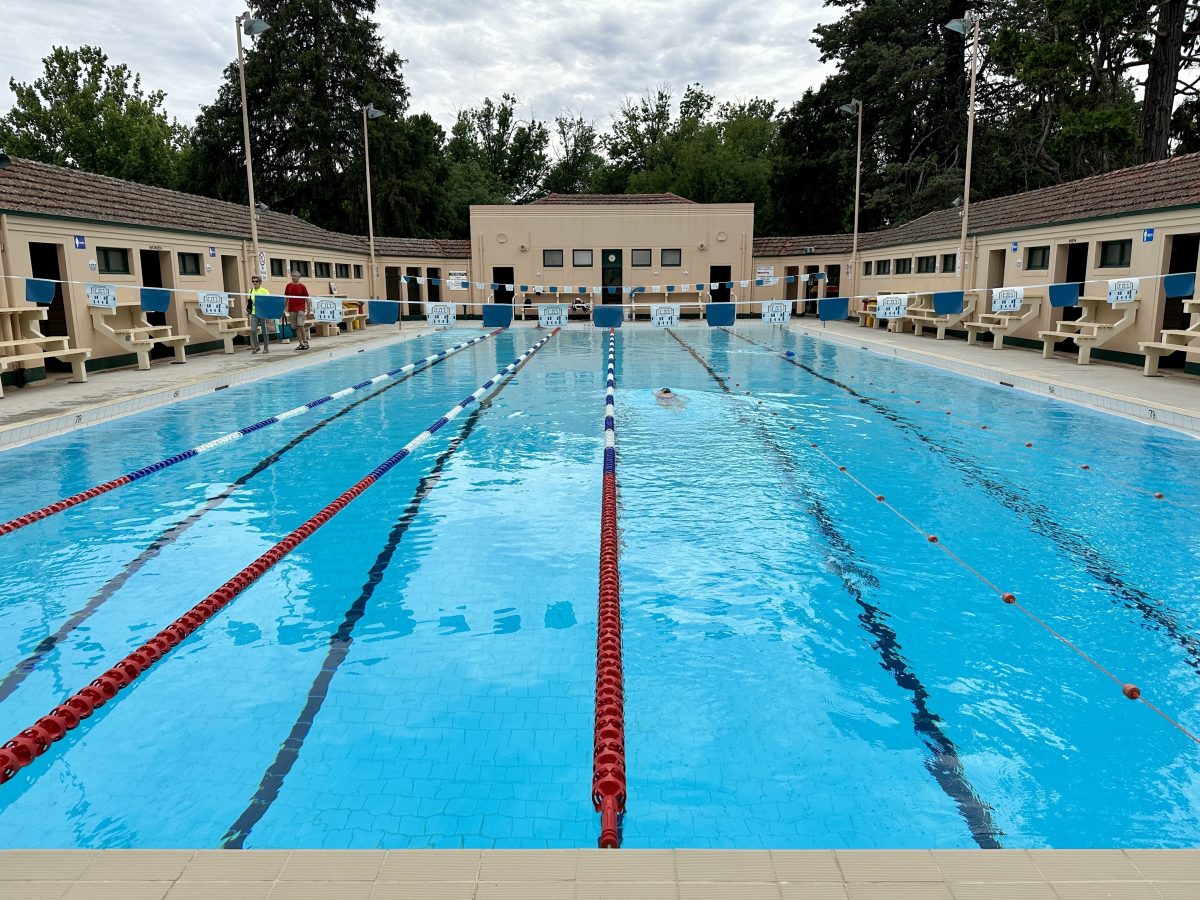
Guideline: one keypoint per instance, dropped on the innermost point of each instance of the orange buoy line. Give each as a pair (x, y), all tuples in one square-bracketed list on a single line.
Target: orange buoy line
[(1128, 689)]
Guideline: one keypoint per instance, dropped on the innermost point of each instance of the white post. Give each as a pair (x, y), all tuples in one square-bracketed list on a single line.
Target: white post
[(370, 214), (237, 26), (962, 244)]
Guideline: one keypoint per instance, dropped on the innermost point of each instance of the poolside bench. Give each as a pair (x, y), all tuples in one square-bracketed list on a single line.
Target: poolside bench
[(227, 329), (24, 323), (1003, 324), (139, 335), (1173, 340), (925, 315), (1088, 331)]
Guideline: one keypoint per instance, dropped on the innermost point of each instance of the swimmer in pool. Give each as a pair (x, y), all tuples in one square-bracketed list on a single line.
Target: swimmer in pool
[(668, 397)]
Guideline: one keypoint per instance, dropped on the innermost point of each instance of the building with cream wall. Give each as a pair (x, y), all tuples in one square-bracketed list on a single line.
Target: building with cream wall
[(1146, 219)]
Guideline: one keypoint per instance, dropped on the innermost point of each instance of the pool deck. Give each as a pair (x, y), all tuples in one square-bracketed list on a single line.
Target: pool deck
[(55, 406), (1171, 400), (600, 875)]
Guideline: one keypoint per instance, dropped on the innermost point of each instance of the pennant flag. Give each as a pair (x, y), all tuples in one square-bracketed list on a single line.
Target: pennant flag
[(436, 282), (729, 284), (479, 285), (380, 313), (405, 279), (656, 288), (947, 303), (508, 287), (715, 286), (670, 288), (420, 279), (612, 290), (524, 289), (596, 289), (39, 291), (700, 287), (744, 283), (791, 279), (758, 282), (554, 288), (1064, 294), (833, 309), (493, 287)]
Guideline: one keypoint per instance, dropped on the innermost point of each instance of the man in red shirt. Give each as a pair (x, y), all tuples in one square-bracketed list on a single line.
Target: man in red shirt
[(298, 308)]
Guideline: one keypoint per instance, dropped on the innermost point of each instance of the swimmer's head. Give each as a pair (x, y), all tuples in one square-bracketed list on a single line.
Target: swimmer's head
[(664, 392)]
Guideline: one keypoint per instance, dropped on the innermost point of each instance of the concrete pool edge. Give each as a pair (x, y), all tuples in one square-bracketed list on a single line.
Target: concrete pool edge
[(1123, 394), (595, 874)]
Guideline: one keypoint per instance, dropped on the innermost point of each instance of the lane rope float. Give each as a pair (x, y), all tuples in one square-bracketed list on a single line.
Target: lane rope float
[(32, 742), (137, 474), (608, 757)]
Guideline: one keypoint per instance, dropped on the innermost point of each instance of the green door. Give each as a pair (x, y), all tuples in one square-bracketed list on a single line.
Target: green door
[(611, 275)]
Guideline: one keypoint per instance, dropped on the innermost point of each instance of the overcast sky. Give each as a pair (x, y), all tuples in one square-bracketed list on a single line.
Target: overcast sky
[(562, 55)]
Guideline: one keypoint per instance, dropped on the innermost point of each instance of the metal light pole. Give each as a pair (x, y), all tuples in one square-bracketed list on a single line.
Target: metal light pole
[(370, 112), (855, 106), (960, 26), (251, 27)]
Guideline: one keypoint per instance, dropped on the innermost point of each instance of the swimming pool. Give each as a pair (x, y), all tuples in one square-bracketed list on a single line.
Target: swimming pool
[(802, 668)]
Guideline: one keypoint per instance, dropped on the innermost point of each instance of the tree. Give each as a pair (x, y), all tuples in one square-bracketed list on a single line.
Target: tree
[(508, 156), (86, 114), (577, 160), (307, 79)]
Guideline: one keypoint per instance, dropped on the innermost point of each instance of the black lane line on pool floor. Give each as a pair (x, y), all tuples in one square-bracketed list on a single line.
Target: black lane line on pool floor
[(340, 641), (943, 763), (29, 664), (1156, 615)]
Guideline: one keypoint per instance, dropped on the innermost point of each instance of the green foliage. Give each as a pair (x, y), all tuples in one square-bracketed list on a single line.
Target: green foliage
[(307, 79), (87, 114)]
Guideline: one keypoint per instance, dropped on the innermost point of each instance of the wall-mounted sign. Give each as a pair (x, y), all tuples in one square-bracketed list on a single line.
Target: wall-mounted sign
[(1015, 245), (891, 306), (212, 251), (101, 296), (262, 263), (1007, 300), (215, 303), (327, 309), (92, 264), (457, 279), (764, 272), (1147, 235), (80, 242)]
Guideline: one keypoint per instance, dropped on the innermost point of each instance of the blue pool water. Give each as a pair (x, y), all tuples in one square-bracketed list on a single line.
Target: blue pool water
[(802, 668)]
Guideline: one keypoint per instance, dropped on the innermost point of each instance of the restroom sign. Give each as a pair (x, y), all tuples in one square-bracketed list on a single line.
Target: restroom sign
[(891, 306), (1147, 235), (1007, 300), (80, 242), (1123, 290), (442, 314), (664, 315), (101, 296), (215, 303), (327, 309), (776, 313), (552, 315)]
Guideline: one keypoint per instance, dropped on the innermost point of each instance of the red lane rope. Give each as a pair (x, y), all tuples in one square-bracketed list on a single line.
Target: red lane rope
[(608, 758), (35, 740)]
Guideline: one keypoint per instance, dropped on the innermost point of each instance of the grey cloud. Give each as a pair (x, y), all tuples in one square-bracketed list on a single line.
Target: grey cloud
[(554, 56)]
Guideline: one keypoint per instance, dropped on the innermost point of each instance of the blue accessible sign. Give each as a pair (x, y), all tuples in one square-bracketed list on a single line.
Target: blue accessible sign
[(1147, 235)]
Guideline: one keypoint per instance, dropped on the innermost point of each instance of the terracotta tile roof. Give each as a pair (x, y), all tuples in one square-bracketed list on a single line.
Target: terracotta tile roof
[(33, 187), (423, 247), (798, 246), (1158, 185), (608, 199)]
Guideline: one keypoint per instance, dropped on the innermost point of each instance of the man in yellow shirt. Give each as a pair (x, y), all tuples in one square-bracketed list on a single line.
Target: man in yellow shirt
[(256, 290)]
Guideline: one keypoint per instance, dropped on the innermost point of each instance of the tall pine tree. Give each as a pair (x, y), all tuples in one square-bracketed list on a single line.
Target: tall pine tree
[(307, 79)]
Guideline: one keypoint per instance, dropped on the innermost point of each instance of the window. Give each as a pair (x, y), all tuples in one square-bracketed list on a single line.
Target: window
[(671, 258), (112, 261), (342, 270), (867, 267), (321, 269), (949, 262), (904, 266), (926, 264), (276, 268), (300, 266), (883, 267), (358, 271), (1115, 254), (581, 259), (1037, 258), (552, 259), (640, 258), (189, 263)]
